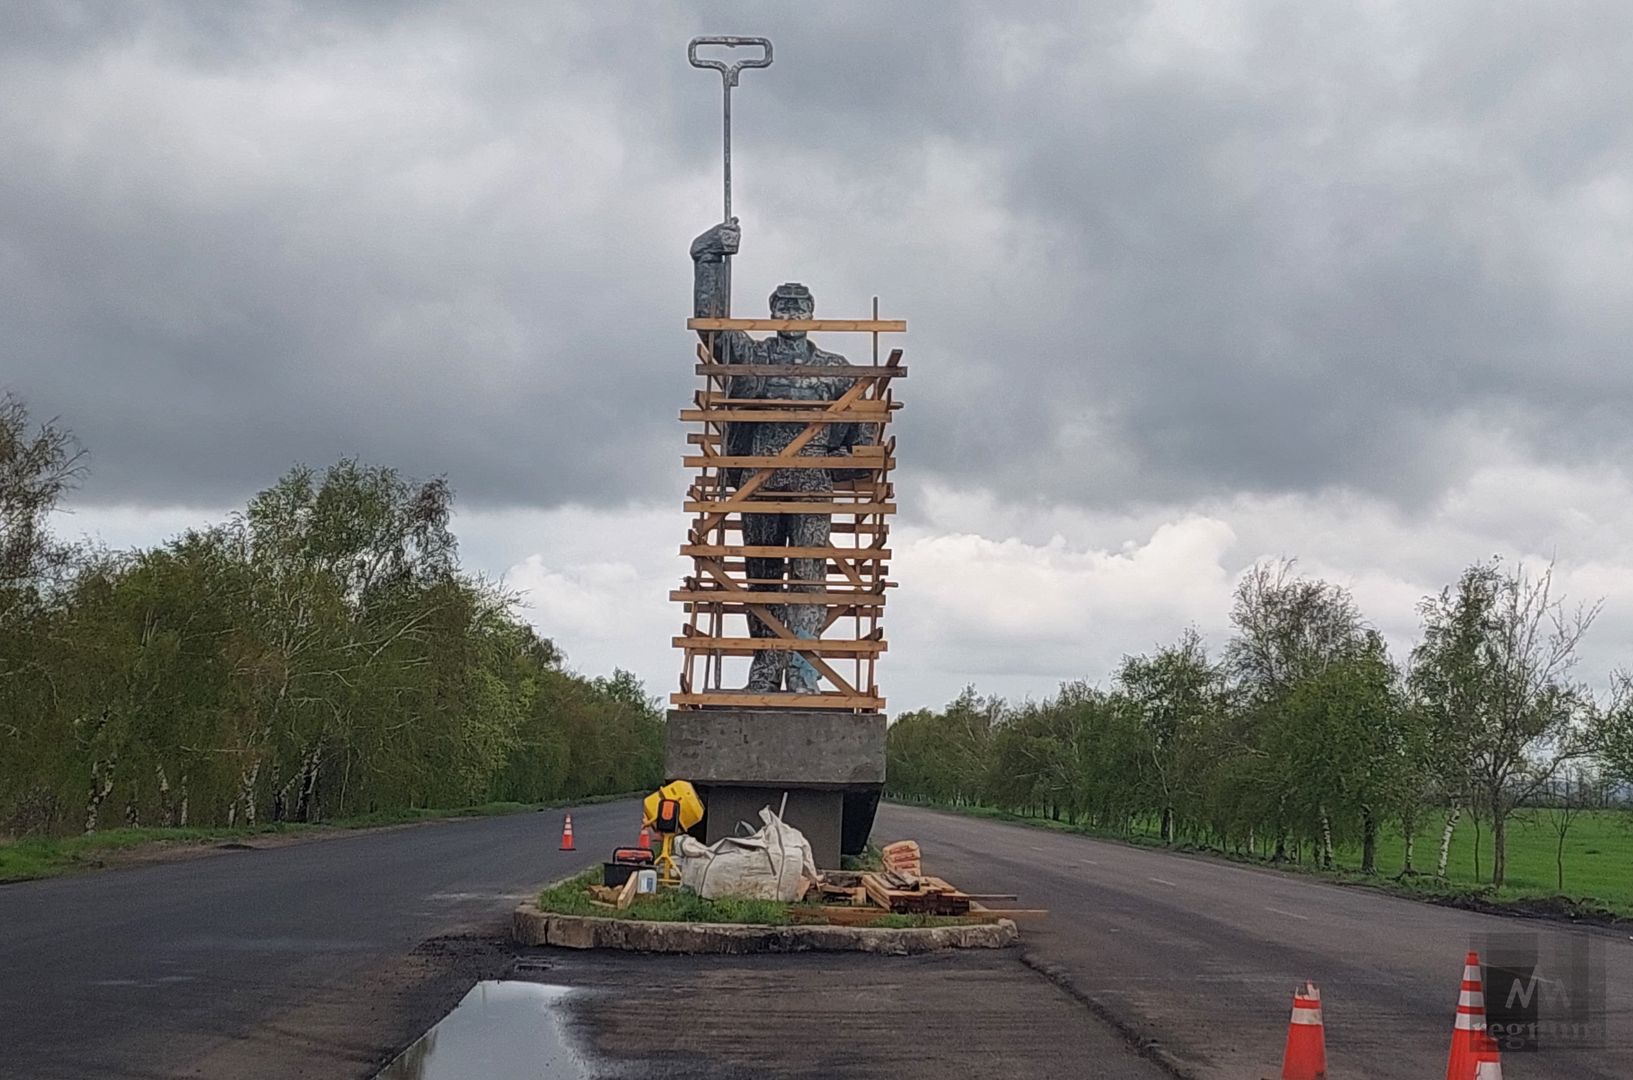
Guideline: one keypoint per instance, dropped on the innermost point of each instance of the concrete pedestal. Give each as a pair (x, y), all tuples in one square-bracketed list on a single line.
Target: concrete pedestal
[(831, 765)]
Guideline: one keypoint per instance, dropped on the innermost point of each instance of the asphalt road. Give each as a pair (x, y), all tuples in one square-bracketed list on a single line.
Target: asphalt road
[(277, 962), (324, 957), (971, 1015), (1203, 955)]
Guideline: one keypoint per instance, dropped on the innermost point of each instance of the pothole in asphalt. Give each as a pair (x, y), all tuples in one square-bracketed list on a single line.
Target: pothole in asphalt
[(500, 1030)]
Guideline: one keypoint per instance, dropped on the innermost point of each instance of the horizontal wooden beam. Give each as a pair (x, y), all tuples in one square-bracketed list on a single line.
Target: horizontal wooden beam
[(761, 551), (720, 401), (783, 506), (764, 461), (857, 412), (748, 646), (735, 571), (878, 529), (744, 700), (757, 597), (810, 371), (709, 438), (866, 326)]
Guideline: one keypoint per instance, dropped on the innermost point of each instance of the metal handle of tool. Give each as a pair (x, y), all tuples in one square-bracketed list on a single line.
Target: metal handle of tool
[(729, 74)]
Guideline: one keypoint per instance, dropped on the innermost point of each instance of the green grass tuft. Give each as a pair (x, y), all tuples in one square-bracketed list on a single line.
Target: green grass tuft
[(871, 859), (571, 897)]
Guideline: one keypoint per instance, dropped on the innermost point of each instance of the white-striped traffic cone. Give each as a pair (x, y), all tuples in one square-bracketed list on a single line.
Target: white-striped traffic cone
[(1306, 1054), (1474, 1054)]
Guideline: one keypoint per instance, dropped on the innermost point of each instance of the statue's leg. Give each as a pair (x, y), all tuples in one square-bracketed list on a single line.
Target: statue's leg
[(806, 575), (765, 672)]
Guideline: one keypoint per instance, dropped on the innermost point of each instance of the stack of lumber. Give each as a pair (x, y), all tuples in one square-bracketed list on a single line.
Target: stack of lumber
[(909, 894)]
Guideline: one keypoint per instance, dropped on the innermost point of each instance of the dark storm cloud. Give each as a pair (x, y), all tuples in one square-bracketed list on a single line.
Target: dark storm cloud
[(1149, 251)]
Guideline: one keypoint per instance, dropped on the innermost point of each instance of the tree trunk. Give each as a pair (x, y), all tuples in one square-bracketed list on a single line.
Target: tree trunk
[(1499, 841), (167, 810), (1476, 848), (1168, 824), (306, 803), (1326, 840), (101, 785), (1369, 841), (1452, 816), (1408, 843), (246, 793), (1559, 861)]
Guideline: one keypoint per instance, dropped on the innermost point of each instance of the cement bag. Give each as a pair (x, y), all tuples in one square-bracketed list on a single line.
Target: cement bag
[(771, 864)]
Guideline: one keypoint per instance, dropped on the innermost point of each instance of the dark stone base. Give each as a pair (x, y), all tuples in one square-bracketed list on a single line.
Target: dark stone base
[(831, 764), (836, 821)]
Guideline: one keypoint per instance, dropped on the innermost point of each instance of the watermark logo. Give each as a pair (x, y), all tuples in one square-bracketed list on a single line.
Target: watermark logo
[(1543, 991)]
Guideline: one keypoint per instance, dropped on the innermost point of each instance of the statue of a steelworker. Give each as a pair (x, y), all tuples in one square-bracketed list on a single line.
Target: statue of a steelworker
[(773, 670)]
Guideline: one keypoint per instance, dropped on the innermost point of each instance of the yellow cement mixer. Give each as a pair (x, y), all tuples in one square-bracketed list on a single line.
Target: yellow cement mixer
[(670, 811)]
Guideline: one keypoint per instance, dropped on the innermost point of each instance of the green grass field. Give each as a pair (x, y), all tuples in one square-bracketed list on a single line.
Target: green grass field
[(1598, 860), (1598, 855)]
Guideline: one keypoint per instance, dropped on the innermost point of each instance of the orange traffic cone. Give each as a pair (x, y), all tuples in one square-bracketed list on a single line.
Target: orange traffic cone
[(646, 838), (1306, 1055), (1474, 1054), (567, 834)]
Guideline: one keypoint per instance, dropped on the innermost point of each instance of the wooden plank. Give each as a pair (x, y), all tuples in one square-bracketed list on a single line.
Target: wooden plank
[(750, 587), (721, 401), (748, 646), (757, 551), (740, 699), (827, 600), (815, 371), (843, 326), (763, 461), (848, 415), (877, 529), (709, 438), (787, 506), (877, 891)]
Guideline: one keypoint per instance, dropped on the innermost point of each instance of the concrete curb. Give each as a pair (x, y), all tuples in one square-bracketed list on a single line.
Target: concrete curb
[(530, 926)]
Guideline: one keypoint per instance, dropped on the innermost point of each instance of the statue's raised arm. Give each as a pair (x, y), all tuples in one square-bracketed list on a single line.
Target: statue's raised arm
[(711, 288)]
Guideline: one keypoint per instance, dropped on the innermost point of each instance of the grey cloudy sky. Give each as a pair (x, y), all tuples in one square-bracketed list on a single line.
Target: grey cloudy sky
[(1189, 284)]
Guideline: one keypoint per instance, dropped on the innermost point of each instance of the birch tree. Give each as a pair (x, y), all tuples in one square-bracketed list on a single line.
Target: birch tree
[(1493, 675)]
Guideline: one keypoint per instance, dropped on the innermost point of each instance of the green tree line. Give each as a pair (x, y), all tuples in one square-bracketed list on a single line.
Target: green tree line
[(1303, 735), (320, 654)]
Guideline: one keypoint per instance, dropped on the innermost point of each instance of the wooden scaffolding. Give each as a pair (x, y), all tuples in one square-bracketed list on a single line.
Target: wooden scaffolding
[(718, 595)]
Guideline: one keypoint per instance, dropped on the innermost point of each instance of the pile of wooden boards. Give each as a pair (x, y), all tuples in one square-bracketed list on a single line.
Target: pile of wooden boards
[(909, 894), (620, 897)]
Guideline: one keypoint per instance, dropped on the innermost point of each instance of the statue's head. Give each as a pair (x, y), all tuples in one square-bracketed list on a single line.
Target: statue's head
[(792, 300)]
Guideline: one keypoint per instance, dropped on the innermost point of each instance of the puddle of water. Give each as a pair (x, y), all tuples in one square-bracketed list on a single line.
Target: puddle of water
[(501, 1030)]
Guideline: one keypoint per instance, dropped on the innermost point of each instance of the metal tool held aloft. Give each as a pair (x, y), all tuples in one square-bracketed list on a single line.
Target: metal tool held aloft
[(729, 73)]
